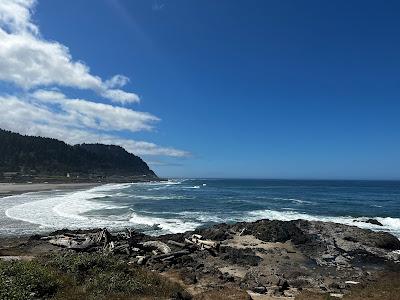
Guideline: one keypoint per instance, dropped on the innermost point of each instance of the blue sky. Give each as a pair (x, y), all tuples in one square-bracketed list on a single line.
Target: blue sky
[(255, 89)]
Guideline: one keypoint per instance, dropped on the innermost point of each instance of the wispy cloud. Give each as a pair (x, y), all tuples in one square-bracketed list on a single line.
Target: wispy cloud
[(40, 68), (157, 6), (164, 164), (28, 60), (93, 115), (77, 121)]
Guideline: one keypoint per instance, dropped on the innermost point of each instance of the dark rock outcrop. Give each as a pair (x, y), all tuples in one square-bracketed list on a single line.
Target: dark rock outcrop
[(269, 257), (242, 257), (276, 231), (374, 222), (218, 232), (328, 244)]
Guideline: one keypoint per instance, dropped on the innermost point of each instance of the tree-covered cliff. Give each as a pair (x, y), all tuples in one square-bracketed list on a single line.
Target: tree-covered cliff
[(45, 156)]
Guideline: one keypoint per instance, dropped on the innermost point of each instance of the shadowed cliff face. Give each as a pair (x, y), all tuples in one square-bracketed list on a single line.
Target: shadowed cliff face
[(44, 156)]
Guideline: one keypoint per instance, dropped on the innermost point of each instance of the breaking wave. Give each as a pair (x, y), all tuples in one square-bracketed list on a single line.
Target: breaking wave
[(170, 225), (389, 224), (153, 207), (67, 210)]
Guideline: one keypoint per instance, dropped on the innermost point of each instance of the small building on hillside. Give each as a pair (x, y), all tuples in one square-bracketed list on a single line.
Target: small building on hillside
[(10, 175)]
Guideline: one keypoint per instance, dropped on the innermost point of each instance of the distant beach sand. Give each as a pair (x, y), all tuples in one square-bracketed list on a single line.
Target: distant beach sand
[(8, 189)]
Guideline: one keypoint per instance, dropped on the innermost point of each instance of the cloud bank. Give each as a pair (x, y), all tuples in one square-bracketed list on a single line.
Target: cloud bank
[(29, 61), (38, 68), (40, 116)]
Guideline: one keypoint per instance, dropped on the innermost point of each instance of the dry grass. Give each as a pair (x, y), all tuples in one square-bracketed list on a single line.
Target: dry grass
[(306, 295), (223, 294), (387, 287)]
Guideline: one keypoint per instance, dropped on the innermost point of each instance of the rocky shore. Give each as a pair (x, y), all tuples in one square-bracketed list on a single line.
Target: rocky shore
[(265, 259)]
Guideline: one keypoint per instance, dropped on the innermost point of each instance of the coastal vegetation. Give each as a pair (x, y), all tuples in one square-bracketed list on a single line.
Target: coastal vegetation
[(26, 158), (94, 276), (82, 276)]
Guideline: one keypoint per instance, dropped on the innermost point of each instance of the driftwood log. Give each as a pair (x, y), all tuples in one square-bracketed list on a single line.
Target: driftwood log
[(83, 242), (130, 242), (171, 254), (74, 243), (182, 245), (197, 240), (156, 245)]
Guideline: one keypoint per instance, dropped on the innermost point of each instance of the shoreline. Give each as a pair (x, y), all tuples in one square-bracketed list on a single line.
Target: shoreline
[(16, 188), (12, 189), (265, 258)]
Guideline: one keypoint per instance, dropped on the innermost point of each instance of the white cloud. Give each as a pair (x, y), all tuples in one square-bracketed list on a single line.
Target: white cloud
[(120, 96), (77, 122), (48, 95), (96, 115), (29, 61), (117, 81), (15, 15), (157, 6)]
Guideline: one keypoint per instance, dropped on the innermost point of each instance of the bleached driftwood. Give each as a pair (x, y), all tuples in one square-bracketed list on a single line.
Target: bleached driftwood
[(74, 243), (141, 259), (188, 241), (157, 245), (182, 245), (197, 240), (130, 242), (82, 242)]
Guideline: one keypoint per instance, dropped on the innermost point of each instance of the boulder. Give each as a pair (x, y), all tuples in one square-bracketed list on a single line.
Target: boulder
[(374, 222), (239, 256)]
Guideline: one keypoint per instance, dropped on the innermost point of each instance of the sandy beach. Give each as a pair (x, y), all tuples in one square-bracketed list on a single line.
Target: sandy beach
[(8, 189)]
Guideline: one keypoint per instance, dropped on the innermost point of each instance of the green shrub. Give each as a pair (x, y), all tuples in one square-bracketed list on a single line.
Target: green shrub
[(80, 265), (22, 280), (102, 276), (82, 276)]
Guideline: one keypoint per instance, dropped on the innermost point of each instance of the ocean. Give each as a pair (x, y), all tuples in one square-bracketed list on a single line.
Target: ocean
[(178, 205)]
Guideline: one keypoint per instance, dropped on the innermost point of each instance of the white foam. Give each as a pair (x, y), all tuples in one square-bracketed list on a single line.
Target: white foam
[(121, 195), (66, 210), (158, 188), (161, 185), (69, 209), (191, 187), (166, 182), (144, 197), (166, 197), (294, 200), (298, 201), (111, 187), (389, 224), (171, 225), (204, 217)]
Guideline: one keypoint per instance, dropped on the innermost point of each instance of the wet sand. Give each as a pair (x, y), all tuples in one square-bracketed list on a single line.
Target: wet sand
[(8, 189)]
